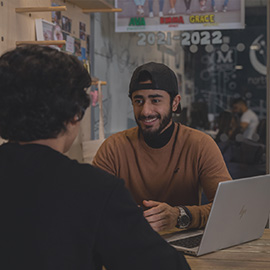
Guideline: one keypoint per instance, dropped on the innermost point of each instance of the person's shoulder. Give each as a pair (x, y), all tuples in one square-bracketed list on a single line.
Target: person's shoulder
[(249, 115), (199, 142), (87, 169), (126, 133), (87, 175), (253, 113), (195, 139), (123, 135), (248, 112), (192, 134)]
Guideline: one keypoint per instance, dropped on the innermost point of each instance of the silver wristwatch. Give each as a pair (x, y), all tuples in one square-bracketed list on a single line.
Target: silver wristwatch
[(183, 220)]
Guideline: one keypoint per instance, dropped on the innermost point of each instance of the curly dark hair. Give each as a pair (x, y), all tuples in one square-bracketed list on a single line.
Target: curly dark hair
[(41, 89), (239, 100)]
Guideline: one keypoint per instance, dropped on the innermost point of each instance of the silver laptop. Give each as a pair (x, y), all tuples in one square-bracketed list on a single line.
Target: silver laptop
[(239, 214)]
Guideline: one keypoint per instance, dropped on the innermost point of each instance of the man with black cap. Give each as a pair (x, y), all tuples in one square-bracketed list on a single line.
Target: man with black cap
[(164, 164)]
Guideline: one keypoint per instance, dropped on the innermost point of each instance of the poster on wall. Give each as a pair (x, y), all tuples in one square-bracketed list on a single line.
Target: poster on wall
[(82, 30), (48, 31), (153, 16), (66, 24), (56, 15)]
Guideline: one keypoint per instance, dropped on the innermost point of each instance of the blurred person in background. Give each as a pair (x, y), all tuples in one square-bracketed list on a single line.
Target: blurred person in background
[(248, 119)]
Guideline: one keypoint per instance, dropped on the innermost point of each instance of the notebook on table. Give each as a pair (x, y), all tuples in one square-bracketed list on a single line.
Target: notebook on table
[(239, 214)]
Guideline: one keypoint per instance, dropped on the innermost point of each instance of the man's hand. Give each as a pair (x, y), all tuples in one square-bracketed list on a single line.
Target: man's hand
[(160, 216)]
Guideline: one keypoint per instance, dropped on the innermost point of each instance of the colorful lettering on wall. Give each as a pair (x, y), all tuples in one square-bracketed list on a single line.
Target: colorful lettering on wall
[(210, 18), (155, 16), (136, 21), (169, 20)]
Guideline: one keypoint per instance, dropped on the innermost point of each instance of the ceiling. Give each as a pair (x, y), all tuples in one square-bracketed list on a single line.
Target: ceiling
[(88, 6)]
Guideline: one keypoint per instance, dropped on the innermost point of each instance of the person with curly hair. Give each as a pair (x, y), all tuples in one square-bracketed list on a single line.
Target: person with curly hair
[(55, 212)]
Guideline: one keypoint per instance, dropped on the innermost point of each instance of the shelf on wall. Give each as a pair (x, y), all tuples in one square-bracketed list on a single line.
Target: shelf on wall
[(89, 6), (101, 10), (43, 42), (40, 9), (101, 82)]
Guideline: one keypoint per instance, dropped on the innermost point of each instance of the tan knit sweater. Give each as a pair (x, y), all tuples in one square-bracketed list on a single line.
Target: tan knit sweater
[(171, 174)]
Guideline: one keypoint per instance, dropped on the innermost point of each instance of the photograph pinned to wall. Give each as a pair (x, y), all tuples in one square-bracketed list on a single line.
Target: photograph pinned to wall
[(44, 30), (66, 24), (83, 54), (82, 30), (70, 43), (87, 46), (77, 45), (56, 15), (151, 16), (57, 33), (48, 31)]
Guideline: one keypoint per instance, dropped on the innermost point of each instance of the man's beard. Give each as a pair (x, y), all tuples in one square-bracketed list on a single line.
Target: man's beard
[(148, 134)]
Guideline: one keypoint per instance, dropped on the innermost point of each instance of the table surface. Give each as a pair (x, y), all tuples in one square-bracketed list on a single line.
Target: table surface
[(252, 255)]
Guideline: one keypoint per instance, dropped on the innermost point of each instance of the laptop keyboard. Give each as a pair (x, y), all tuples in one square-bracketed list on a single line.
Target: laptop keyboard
[(189, 242)]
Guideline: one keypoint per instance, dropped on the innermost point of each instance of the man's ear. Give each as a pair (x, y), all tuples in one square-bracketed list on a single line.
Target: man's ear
[(72, 124), (176, 102), (74, 120)]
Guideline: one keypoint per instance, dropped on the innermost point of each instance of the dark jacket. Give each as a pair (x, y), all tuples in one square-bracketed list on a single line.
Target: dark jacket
[(59, 214)]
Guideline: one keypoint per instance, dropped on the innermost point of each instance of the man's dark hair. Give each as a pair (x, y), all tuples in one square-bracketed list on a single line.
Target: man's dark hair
[(239, 100), (41, 89)]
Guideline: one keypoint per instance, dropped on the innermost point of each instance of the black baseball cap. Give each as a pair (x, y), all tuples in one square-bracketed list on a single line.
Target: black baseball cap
[(161, 76)]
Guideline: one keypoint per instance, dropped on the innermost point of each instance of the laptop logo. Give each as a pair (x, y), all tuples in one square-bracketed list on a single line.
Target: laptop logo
[(242, 211)]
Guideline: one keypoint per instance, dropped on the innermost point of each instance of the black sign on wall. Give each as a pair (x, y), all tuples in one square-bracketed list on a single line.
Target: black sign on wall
[(234, 68)]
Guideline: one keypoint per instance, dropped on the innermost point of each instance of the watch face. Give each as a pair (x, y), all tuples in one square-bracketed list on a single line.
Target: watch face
[(184, 220)]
